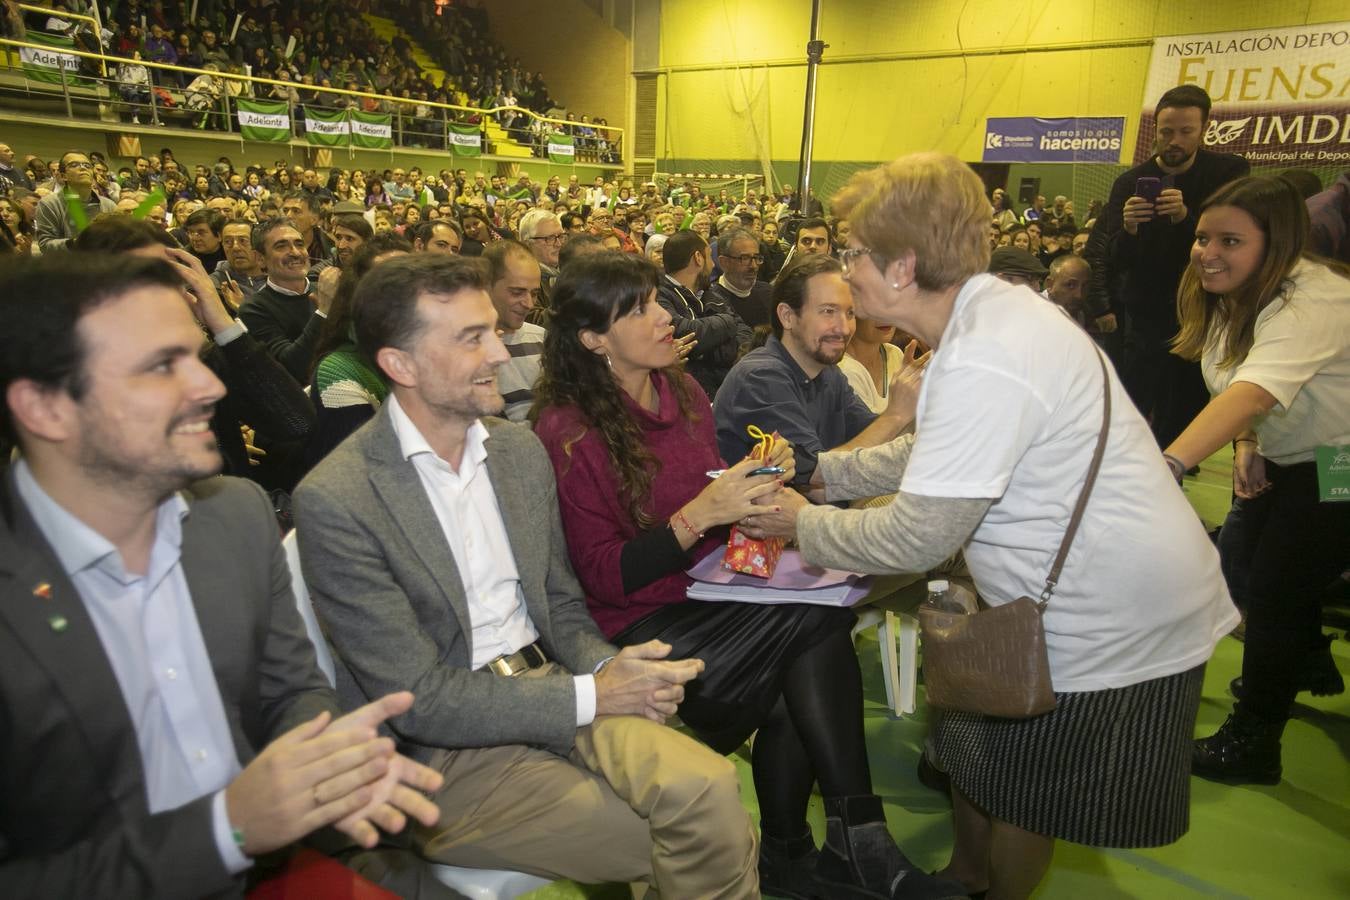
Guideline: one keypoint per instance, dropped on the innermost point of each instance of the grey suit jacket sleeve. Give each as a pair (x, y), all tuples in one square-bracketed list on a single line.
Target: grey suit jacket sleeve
[(392, 625)]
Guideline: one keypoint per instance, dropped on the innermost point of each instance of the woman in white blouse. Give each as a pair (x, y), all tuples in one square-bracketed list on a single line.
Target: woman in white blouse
[(1271, 329), (871, 361)]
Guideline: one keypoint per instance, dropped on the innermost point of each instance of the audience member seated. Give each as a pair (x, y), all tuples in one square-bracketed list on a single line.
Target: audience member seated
[(631, 437), (738, 288), (1017, 266), (870, 361), (242, 264), (286, 314), (439, 236), (813, 236), (717, 332), (203, 230), (347, 389), (542, 231), (350, 233), (1066, 285), (305, 212), (792, 385), (261, 395), (56, 223), (432, 546), (146, 577), (513, 285)]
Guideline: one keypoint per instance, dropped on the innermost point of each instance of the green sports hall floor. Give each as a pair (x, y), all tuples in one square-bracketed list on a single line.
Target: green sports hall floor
[(1287, 841)]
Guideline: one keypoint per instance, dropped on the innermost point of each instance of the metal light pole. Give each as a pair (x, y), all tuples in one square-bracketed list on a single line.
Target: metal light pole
[(815, 49)]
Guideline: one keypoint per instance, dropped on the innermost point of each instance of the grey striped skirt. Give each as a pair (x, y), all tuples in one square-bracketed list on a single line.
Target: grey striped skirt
[(1107, 768)]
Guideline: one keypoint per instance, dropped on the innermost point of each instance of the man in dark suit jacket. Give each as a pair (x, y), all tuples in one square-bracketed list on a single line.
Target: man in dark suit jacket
[(164, 720), (432, 545)]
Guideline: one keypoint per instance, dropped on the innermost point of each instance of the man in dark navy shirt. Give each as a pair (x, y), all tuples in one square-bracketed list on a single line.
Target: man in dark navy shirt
[(793, 385)]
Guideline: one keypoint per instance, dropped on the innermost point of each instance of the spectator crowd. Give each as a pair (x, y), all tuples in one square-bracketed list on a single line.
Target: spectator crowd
[(315, 49)]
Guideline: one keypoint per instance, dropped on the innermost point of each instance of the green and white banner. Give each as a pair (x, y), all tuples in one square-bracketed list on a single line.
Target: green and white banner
[(264, 120), (327, 128), (560, 149), (46, 65), (466, 140), (372, 130)]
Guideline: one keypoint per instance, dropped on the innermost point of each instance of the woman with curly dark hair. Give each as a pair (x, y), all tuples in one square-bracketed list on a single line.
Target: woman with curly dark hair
[(631, 439)]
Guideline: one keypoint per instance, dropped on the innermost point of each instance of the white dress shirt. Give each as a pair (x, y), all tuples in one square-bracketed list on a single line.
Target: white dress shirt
[(466, 507)]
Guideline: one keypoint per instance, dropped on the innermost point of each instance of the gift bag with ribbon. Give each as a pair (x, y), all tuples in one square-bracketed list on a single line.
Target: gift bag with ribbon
[(747, 555)]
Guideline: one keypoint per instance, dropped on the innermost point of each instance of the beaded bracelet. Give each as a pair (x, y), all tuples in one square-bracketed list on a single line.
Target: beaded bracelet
[(684, 523)]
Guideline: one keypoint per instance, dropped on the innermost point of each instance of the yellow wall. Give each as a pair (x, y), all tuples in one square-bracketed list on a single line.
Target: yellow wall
[(937, 100), (585, 62)]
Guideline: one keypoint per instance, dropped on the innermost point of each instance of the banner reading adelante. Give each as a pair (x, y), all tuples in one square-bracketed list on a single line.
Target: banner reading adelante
[(1281, 95)]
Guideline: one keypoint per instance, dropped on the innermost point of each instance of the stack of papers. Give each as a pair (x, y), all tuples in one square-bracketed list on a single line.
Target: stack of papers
[(793, 582)]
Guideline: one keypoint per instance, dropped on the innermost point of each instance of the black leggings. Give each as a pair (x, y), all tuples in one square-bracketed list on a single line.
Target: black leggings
[(1296, 547), (814, 733), (788, 672)]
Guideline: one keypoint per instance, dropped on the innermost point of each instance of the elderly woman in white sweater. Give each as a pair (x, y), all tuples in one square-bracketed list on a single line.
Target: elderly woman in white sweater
[(1008, 415)]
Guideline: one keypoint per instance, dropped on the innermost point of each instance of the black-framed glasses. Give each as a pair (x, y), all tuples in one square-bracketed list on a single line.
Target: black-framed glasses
[(746, 258), (849, 254), (550, 238)]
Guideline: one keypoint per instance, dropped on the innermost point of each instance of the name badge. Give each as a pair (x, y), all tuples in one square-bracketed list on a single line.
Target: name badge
[(1333, 473)]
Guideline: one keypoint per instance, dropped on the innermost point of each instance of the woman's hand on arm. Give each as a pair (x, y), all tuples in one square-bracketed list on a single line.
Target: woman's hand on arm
[(1249, 470), (777, 518)]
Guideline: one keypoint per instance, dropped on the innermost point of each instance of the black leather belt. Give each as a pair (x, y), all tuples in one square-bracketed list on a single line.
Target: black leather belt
[(530, 656)]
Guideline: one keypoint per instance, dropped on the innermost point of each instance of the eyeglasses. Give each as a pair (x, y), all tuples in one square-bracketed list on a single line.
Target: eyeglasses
[(848, 255), (78, 164), (550, 238), (746, 259)]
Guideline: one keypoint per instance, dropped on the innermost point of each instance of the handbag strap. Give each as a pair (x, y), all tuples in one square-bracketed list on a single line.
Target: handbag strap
[(1093, 468)]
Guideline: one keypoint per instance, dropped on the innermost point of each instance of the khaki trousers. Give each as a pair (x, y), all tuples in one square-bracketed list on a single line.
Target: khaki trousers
[(633, 801)]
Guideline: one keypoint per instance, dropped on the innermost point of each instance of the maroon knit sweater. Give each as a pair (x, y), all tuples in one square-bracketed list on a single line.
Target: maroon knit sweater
[(595, 518)]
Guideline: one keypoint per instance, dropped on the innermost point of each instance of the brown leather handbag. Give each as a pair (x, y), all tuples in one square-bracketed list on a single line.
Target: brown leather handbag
[(994, 661)]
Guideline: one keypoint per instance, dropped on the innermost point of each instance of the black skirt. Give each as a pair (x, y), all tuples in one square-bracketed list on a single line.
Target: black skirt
[(746, 648), (1109, 768)]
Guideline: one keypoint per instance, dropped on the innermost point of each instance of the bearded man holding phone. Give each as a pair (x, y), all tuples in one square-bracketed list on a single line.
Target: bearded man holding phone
[(1139, 247)]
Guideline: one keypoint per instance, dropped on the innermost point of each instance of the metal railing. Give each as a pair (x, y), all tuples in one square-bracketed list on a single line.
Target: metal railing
[(609, 144)]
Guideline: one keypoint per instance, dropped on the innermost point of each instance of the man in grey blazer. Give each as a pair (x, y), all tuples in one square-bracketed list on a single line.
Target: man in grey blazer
[(164, 721), (433, 548)]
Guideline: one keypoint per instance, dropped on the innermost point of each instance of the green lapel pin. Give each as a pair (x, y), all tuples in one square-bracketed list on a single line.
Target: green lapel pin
[(58, 623)]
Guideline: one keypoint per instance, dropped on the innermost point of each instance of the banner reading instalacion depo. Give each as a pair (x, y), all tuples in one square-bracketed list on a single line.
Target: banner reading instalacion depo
[(1281, 95)]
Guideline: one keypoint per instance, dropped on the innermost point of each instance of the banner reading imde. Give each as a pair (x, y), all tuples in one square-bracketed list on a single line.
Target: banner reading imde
[(1035, 140), (1281, 95)]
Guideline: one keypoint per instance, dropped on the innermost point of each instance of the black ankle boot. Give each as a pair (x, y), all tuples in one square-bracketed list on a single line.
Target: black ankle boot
[(861, 859), (787, 868), (1317, 674), (1245, 750)]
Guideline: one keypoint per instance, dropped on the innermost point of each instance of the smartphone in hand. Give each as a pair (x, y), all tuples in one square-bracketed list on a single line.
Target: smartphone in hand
[(1148, 188)]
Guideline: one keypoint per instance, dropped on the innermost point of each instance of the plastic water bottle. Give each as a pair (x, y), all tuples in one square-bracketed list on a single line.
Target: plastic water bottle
[(949, 598)]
